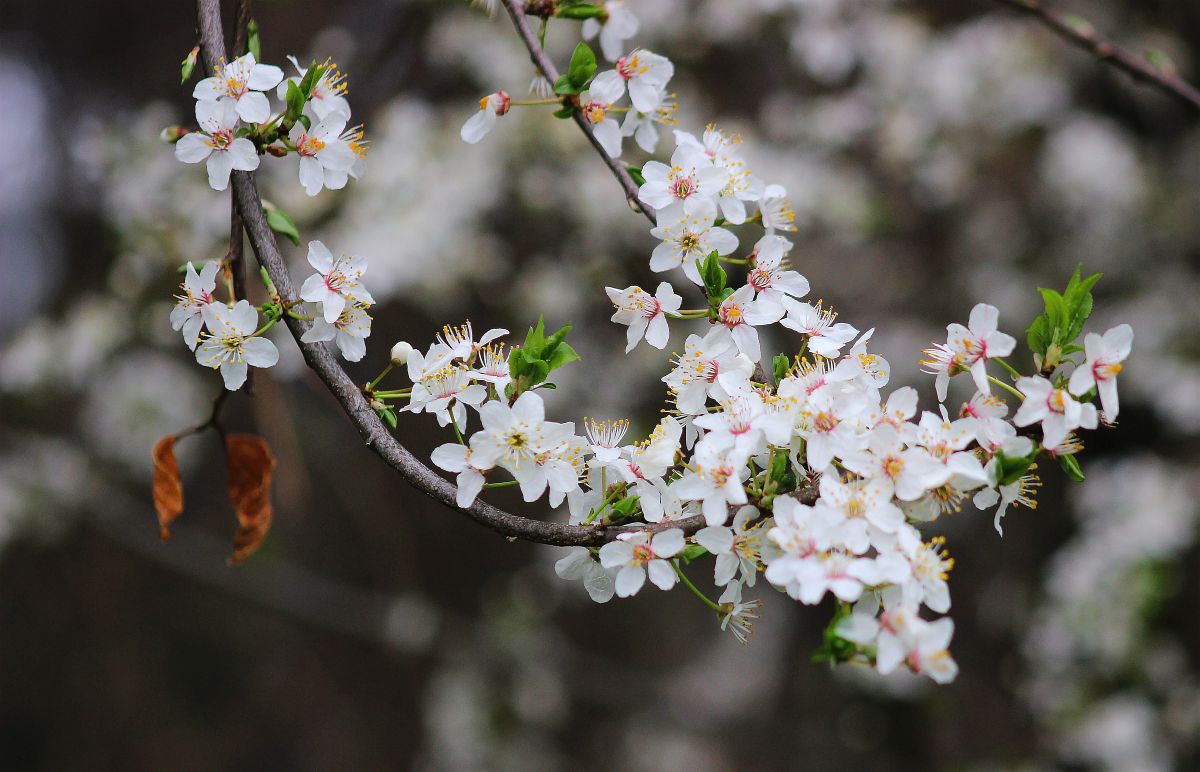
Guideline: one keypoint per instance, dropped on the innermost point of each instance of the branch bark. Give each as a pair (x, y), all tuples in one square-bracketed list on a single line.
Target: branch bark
[(516, 11), (350, 396), (1107, 51)]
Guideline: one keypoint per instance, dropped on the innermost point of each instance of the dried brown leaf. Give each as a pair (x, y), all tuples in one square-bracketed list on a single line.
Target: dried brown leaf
[(250, 464), (167, 487)]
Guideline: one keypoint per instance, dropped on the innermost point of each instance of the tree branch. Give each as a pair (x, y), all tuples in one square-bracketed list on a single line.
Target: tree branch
[(516, 11), (1084, 37), (350, 397)]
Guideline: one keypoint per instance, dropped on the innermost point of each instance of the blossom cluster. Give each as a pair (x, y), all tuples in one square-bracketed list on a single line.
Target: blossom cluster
[(237, 124), (801, 467), (227, 336)]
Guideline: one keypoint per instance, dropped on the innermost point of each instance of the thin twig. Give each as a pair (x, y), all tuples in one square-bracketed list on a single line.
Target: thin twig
[(350, 396), (516, 11), (1084, 37)]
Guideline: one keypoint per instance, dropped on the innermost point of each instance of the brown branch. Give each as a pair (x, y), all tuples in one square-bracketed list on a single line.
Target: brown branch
[(516, 11), (1107, 51)]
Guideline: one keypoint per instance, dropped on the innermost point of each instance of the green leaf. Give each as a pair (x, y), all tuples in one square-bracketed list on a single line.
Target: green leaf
[(311, 75), (713, 275), (562, 355), (282, 224), (1078, 300), (782, 363), (295, 99), (1071, 466), (535, 339), (1012, 469), (692, 552), (626, 506), (388, 416), (565, 87), (582, 66), (580, 11), (253, 44), (635, 172), (564, 112)]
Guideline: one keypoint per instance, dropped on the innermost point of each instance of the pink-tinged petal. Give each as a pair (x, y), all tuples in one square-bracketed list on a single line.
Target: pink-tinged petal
[(608, 134), (320, 257), (312, 175), (1119, 342), (242, 155), (253, 107), (746, 338), (1082, 379), (314, 289), (234, 375), (792, 283), (667, 543), (658, 332), (192, 148), (264, 77), (209, 90), (629, 581), (715, 539), (353, 348), (733, 210), (470, 484), (338, 156), (661, 574), (655, 195), (243, 318), (722, 240), (333, 306), (478, 126), (220, 165), (610, 84), (320, 332), (1108, 399), (529, 408), (260, 352), (656, 173), (984, 319)]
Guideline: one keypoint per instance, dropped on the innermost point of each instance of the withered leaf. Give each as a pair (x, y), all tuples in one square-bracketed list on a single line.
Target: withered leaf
[(250, 464), (167, 487)]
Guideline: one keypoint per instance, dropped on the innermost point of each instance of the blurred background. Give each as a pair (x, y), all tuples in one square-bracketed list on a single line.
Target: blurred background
[(938, 154)]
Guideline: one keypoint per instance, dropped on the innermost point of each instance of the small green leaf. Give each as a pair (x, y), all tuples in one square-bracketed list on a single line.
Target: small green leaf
[(282, 224), (388, 416), (564, 112), (692, 552), (1012, 469), (565, 87), (626, 506), (563, 355), (713, 275), (582, 66), (253, 44), (1071, 466), (311, 75), (635, 172), (782, 363)]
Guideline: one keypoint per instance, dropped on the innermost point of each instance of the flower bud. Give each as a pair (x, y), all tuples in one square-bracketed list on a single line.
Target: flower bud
[(172, 134), (401, 352), (503, 101), (188, 64)]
